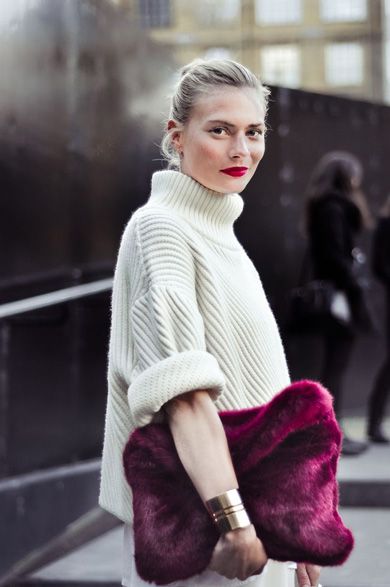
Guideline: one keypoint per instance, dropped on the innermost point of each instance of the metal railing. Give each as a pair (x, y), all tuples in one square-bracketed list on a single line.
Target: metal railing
[(13, 309), (56, 297), (93, 523), (86, 528)]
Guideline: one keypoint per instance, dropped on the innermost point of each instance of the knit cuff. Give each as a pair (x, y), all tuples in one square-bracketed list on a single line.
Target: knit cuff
[(180, 373)]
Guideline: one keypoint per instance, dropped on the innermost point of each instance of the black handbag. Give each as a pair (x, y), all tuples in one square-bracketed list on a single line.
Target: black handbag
[(314, 305)]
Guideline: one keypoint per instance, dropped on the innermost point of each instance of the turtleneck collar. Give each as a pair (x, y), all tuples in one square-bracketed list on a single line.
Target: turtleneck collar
[(209, 212)]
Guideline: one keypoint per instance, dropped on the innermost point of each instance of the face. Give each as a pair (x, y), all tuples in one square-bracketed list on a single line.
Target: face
[(223, 141)]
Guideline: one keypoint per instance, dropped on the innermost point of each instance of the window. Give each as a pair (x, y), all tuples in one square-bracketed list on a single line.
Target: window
[(344, 64), (343, 10), (155, 13), (276, 12), (12, 12), (281, 65), (218, 53), (217, 12), (387, 71)]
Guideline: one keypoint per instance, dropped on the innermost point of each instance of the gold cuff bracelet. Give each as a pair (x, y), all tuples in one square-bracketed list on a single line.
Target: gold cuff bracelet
[(228, 512), (233, 521)]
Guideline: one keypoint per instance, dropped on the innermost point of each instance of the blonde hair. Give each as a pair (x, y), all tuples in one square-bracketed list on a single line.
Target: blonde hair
[(199, 78)]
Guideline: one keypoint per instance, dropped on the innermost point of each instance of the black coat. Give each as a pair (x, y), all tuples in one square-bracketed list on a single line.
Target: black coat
[(333, 223), (381, 251)]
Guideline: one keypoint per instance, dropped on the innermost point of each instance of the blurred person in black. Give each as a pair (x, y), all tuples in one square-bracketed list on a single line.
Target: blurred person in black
[(381, 269), (336, 211)]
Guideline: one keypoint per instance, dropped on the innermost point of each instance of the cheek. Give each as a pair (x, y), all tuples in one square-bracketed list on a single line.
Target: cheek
[(258, 152), (208, 151)]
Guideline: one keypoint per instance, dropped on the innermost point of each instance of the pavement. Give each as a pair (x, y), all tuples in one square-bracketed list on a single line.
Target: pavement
[(369, 563), (364, 481), (98, 563)]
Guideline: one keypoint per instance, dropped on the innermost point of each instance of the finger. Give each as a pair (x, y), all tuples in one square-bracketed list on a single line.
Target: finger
[(214, 564), (258, 571), (212, 561), (302, 576), (219, 566), (220, 570), (314, 573)]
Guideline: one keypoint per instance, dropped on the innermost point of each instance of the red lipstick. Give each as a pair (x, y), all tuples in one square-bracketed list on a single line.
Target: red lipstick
[(235, 171)]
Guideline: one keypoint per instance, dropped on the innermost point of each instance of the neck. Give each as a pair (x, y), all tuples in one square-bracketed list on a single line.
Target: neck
[(210, 213)]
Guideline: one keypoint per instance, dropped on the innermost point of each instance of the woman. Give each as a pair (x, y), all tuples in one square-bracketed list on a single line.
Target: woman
[(335, 213), (381, 268), (192, 331)]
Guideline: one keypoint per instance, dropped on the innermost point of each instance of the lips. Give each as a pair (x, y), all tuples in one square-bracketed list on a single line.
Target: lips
[(235, 171)]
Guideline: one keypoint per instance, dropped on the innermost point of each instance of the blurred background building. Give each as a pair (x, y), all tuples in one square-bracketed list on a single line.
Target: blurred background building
[(331, 46)]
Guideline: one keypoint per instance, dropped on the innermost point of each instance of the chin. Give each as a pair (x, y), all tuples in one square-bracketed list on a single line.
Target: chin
[(237, 186), (231, 185), (226, 185)]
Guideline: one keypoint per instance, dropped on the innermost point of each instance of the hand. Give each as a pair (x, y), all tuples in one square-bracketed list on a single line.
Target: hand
[(239, 554), (308, 575)]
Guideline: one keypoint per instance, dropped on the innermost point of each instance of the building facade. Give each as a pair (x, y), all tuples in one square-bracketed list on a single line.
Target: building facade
[(329, 46)]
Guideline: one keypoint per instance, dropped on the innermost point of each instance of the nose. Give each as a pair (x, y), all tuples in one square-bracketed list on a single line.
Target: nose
[(239, 147)]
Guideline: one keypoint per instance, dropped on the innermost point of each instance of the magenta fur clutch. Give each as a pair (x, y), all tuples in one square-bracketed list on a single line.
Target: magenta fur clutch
[(285, 455)]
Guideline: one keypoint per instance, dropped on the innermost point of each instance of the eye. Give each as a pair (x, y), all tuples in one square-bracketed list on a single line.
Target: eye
[(256, 132), (218, 130)]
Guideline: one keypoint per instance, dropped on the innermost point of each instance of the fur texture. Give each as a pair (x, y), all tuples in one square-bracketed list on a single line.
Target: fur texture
[(285, 455)]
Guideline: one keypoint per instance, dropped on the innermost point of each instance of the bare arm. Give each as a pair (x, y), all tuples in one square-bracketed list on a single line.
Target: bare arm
[(202, 447), (201, 443)]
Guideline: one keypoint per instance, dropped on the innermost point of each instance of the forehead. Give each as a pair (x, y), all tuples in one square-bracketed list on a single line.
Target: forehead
[(236, 105)]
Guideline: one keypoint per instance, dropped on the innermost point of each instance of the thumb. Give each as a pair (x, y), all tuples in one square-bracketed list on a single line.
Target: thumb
[(302, 576)]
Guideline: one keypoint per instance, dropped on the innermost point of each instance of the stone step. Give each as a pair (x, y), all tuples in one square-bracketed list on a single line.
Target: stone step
[(365, 479)]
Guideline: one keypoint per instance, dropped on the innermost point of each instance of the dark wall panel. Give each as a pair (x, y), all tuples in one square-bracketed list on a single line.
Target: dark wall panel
[(78, 123)]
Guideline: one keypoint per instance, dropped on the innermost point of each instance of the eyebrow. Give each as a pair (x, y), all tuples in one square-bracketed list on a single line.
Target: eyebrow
[(225, 123)]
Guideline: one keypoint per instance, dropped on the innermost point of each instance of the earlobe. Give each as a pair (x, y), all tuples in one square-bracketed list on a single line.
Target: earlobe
[(176, 136), (176, 141)]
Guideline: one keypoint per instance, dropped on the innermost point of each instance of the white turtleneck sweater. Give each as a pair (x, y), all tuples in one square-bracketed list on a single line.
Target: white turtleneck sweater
[(188, 312)]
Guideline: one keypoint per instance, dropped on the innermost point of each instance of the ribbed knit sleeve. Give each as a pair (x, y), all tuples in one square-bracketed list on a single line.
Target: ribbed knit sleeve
[(169, 349)]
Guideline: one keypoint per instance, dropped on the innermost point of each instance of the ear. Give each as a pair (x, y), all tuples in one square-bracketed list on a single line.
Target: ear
[(175, 131)]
